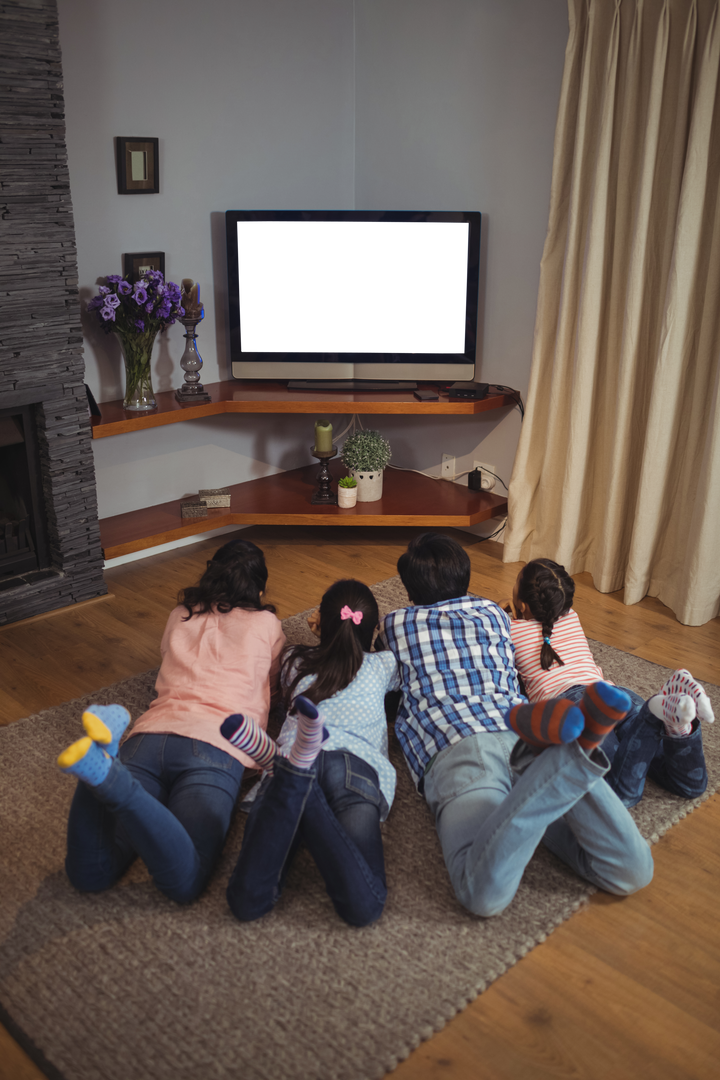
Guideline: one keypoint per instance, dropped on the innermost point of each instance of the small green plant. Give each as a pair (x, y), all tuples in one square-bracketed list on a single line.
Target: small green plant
[(366, 451), (347, 482)]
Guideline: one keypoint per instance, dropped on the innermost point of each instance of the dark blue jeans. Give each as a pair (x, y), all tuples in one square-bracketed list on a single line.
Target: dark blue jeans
[(639, 747), (334, 808), (168, 799)]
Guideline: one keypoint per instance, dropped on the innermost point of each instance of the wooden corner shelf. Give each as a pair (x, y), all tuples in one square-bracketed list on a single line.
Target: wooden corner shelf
[(234, 396), (285, 498)]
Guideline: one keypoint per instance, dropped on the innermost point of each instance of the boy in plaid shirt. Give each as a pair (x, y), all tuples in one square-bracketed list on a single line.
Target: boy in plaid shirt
[(496, 796)]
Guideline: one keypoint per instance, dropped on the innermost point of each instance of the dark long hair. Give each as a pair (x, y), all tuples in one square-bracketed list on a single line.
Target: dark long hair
[(548, 590), (234, 578), (337, 659)]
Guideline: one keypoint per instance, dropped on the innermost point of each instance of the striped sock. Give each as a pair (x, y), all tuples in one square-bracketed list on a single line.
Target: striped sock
[(603, 706), (546, 722), (679, 702), (86, 760), (247, 735), (310, 733), (105, 724)]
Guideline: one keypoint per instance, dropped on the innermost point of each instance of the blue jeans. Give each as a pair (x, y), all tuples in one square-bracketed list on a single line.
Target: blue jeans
[(168, 799), (334, 808), (639, 747), (494, 801)]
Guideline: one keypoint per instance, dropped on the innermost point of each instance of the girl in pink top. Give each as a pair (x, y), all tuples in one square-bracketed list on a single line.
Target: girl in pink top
[(170, 789), (659, 738)]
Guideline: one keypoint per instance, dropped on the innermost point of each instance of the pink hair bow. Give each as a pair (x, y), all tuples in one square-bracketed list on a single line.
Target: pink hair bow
[(347, 613)]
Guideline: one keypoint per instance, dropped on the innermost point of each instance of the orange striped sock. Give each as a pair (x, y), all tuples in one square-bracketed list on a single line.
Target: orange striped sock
[(545, 723), (603, 706)]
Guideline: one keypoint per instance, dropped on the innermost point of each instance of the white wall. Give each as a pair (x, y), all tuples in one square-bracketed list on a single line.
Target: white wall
[(383, 104)]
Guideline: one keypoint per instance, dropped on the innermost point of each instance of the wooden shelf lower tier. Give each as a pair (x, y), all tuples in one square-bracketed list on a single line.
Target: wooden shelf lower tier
[(284, 499)]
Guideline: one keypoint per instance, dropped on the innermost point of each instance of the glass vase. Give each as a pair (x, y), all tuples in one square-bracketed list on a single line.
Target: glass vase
[(137, 354)]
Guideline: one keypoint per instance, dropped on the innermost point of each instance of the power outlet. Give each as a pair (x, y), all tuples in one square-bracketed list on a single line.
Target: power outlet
[(447, 467), (487, 480)]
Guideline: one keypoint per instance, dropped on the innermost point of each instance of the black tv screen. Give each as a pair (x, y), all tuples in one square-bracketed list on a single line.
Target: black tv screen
[(353, 295)]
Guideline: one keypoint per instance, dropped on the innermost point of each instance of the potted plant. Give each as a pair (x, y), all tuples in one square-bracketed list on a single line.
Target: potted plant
[(365, 454), (347, 491)]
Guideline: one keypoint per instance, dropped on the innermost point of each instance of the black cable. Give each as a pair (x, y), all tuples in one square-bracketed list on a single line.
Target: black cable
[(514, 393), (497, 532)]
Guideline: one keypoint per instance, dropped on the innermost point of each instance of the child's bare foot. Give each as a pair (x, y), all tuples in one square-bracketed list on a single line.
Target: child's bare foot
[(313, 621)]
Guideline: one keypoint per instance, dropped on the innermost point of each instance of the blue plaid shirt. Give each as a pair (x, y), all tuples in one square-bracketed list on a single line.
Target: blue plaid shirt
[(457, 668)]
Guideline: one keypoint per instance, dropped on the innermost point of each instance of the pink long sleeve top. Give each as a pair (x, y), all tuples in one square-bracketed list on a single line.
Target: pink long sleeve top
[(214, 665)]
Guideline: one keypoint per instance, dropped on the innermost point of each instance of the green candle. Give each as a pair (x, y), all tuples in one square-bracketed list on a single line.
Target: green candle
[(323, 436)]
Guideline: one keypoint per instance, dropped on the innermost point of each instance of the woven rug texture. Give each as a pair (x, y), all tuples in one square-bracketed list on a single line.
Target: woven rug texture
[(127, 984)]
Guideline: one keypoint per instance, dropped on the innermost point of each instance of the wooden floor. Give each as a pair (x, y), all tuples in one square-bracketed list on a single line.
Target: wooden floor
[(625, 989)]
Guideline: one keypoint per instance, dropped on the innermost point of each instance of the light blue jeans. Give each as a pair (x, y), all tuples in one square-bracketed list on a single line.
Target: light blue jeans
[(494, 801)]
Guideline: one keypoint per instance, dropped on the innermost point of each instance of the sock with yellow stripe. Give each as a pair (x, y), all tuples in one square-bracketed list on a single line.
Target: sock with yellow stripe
[(603, 706), (86, 760), (546, 723), (105, 724)]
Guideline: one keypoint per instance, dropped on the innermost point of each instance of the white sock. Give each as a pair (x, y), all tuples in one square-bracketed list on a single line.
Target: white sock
[(679, 702)]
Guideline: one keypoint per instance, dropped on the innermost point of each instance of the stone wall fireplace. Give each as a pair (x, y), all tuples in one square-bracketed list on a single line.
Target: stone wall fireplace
[(48, 506)]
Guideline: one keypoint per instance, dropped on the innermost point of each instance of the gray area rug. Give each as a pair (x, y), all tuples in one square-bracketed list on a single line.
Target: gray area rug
[(126, 984)]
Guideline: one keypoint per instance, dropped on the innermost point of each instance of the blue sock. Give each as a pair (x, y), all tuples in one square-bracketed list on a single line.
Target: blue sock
[(87, 761), (105, 724)]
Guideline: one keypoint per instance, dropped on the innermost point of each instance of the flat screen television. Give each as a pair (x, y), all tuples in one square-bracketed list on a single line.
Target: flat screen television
[(353, 296)]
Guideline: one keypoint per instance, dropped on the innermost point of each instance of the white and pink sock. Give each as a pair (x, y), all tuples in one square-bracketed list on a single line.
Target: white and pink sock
[(679, 702), (310, 733)]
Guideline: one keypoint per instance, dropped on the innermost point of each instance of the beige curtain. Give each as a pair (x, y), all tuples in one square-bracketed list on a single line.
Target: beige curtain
[(618, 465)]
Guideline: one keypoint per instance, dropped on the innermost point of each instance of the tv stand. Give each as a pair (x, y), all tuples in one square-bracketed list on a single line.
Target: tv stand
[(285, 498), (348, 384)]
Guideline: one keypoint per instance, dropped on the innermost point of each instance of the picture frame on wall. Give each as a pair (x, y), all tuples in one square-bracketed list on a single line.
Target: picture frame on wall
[(135, 263), (138, 167)]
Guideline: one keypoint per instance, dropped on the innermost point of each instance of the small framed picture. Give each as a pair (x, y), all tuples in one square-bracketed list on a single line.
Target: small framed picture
[(135, 263), (138, 171)]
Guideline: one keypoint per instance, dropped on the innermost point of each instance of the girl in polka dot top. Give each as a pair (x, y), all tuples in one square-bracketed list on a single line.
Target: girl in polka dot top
[(659, 738), (329, 782)]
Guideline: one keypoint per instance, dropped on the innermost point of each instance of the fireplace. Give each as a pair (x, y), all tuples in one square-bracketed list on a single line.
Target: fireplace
[(23, 542), (50, 555)]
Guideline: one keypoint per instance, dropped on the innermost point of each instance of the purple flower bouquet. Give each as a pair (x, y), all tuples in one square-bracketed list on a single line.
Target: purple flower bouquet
[(136, 313)]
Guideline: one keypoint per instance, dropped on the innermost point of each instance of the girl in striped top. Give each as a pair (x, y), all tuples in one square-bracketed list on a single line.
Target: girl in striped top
[(659, 738)]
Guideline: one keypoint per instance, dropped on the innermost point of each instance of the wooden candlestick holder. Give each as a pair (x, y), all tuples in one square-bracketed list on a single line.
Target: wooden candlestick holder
[(324, 496)]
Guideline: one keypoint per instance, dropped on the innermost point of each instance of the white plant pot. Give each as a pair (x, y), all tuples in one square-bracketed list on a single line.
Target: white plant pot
[(369, 485), (347, 497)]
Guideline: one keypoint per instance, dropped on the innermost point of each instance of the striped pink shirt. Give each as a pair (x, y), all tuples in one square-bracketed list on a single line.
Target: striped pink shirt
[(569, 642)]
